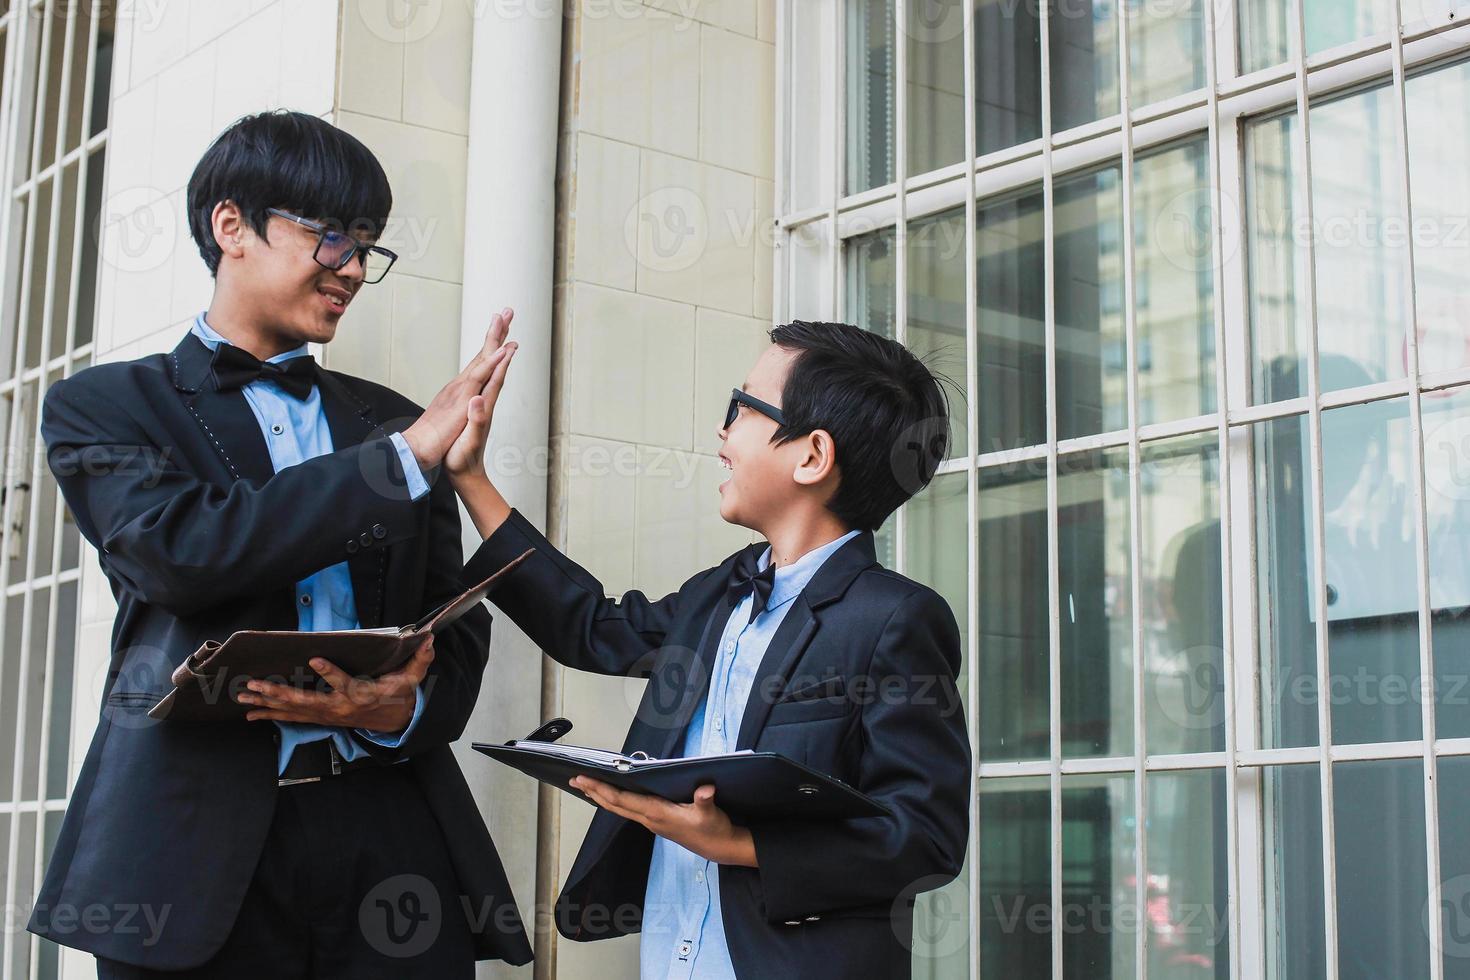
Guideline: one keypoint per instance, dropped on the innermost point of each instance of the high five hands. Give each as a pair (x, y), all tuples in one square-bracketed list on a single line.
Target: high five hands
[(435, 437)]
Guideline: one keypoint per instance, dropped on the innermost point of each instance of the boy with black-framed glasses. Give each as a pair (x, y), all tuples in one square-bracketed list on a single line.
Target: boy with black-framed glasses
[(802, 645), (231, 484)]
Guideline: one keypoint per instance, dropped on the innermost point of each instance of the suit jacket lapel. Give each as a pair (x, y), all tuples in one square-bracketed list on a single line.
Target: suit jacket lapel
[(351, 422), (796, 631), (225, 416)]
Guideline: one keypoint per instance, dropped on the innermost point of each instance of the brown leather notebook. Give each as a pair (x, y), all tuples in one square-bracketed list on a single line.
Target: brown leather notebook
[(206, 683)]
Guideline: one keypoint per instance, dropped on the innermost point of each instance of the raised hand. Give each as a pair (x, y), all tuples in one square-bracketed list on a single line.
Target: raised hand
[(444, 419), (466, 457)]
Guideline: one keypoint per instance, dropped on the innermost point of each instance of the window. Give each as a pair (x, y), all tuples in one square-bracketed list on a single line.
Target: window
[(1205, 528), (53, 117)]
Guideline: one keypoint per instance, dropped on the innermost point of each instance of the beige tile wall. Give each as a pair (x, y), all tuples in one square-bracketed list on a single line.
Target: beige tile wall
[(663, 303)]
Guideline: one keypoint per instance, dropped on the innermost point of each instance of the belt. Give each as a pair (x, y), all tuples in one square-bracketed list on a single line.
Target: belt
[(312, 761)]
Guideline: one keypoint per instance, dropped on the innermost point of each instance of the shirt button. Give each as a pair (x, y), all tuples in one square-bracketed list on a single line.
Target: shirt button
[(699, 876), (719, 724), (306, 599), (684, 949), (277, 428), (730, 646)]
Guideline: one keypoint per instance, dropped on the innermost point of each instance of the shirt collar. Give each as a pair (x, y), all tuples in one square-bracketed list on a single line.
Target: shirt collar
[(212, 339), (791, 579)]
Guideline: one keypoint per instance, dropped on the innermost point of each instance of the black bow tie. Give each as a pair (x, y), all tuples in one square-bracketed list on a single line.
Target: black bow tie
[(236, 368), (744, 579)]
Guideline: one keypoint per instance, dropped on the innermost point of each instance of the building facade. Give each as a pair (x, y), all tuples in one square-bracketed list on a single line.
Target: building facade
[(1197, 270)]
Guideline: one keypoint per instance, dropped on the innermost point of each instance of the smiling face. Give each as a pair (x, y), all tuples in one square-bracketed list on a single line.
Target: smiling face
[(292, 297), (764, 479)]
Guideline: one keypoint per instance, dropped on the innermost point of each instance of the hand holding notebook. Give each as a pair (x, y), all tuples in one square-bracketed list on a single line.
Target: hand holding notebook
[(206, 683)]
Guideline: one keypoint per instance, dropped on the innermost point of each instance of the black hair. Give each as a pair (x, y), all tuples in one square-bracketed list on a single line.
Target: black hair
[(886, 413), (292, 161)]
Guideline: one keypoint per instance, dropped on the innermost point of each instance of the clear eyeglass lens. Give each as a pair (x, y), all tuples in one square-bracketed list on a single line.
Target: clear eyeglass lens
[(376, 266)]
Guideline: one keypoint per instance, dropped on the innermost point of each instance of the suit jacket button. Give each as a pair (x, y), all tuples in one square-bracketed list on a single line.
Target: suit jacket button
[(813, 918), (365, 539), (379, 531), (793, 922), (352, 546)]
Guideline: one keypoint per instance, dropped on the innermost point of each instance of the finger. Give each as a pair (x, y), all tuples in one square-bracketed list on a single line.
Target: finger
[(478, 371), (283, 693), (332, 674), (495, 336), (412, 674), (704, 797), (496, 381), (271, 714)]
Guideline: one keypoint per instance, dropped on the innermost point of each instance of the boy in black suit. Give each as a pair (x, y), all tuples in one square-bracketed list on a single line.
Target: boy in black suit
[(804, 646), (234, 484)]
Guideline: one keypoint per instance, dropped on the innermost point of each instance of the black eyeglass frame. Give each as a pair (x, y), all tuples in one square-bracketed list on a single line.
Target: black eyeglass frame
[(738, 398), (322, 231)]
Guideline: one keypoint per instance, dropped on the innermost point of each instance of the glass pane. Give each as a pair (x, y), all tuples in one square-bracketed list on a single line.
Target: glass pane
[(1447, 503), (871, 279), (1092, 349), (1184, 660), (936, 309), (813, 73), (937, 550), (19, 488), (34, 684), (1007, 74), (1014, 632), (36, 297), (1084, 63), (44, 518), (81, 24), (1015, 877), (1372, 583), (48, 103), (810, 296), (1284, 631), (1268, 27), (1096, 625), (1451, 901), (4, 845), (1010, 262), (25, 873), (1278, 269), (935, 34), (870, 71), (102, 75), (87, 287), (66, 226), (10, 692), (1439, 157), (1188, 876), (59, 734), (1166, 49), (1266, 33), (942, 931), (1175, 316), (1382, 891), (1291, 833), (1099, 903)]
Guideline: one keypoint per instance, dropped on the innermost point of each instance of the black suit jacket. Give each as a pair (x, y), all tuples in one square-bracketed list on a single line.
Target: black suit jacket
[(171, 481), (858, 682)]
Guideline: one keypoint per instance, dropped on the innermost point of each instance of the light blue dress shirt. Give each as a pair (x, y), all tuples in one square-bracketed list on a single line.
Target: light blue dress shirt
[(683, 934), (296, 430)]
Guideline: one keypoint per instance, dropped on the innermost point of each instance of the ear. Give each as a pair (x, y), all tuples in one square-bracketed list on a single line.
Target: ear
[(818, 459), (230, 228)]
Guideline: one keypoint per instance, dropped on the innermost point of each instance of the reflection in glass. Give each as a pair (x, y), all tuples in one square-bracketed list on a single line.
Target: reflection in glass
[(937, 549), (1439, 158), (1184, 660), (1011, 281), (935, 34), (1096, 625), (1007, 74), (1268, 27), (870, 72), (1092, 349), (1382, 890), (1173, 291), (1291, 831), (1372, 583), (1446, 417), (1166, 49), (1014, 634), (65, 643), (1015, 877), (942, 930), (34, 685), (1188, 876), (1084, 62), (810, 164), (1284, 631), (936, 309), (871, 277), (1358, 233), (1099, 902)]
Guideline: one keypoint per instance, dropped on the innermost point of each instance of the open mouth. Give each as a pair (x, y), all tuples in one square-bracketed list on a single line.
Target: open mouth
[(336, 300)]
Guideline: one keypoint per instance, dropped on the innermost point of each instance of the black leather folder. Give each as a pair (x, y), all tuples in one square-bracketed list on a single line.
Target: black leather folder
[(748, 785)]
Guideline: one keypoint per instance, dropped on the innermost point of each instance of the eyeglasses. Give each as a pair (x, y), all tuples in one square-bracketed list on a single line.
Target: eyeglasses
[(738, 398), (334, 249)]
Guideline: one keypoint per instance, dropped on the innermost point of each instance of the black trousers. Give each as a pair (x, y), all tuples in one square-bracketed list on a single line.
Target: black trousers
[(354, 882)]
